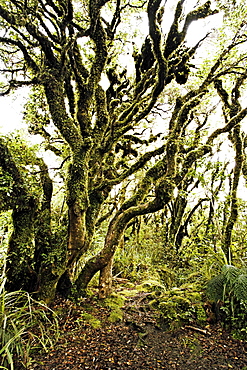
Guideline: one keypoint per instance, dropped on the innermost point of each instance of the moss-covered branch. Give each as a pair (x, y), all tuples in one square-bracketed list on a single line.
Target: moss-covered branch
[(27, 57), (133, 168), (98, 35), (55, 99)]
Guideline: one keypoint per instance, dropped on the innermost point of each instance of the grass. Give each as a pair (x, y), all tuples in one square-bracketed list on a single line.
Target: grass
[(26, 326)]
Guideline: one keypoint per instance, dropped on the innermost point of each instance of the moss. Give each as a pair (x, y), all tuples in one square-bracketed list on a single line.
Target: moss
[(114, 302), (116, 315), (90, 319), (129, 293), (151, 285), (201, 316)]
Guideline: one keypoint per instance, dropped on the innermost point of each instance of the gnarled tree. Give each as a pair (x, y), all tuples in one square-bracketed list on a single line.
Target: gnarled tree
[(65, 48)]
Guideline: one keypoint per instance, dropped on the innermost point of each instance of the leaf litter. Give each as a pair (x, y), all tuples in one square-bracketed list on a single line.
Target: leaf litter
[(136, 341)]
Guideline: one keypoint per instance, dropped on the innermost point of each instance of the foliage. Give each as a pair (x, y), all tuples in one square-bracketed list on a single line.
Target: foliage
[(135, 259), (230, 283), (5, 232), (26, 326), (229, 292), (177, 305)]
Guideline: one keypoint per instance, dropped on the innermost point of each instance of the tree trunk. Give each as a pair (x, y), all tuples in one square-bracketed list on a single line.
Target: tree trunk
[(19, 273), (237, 140), (78, 203), (76, 233), (103, 261), (178, 211), (48, 284), (105, 279)]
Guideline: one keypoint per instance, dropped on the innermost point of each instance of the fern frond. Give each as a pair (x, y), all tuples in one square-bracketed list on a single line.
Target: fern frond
[(215, 288), (243, 271), (240, 287), (231, 273)]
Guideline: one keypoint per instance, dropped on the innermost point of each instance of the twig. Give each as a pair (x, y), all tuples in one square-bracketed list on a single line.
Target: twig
[(197, 329)]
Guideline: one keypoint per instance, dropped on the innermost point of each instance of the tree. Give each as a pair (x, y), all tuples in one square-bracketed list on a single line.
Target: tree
[(230, 107), (62, 49)]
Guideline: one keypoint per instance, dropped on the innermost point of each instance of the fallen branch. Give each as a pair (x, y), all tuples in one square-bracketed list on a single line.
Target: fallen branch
[(205, 332)]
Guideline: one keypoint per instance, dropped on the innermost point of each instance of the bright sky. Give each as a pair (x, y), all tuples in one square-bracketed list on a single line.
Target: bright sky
[(11, 108)]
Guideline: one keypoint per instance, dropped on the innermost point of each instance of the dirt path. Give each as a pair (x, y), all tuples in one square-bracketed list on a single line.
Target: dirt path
[(135, 341)]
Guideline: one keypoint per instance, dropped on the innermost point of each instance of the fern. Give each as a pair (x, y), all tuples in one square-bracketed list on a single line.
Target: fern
[(232, 282), (240, 287), (231, 273), (215, 288), (230, 288)]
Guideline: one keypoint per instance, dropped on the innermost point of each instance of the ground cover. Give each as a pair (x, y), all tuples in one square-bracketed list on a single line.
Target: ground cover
[(125, 333)]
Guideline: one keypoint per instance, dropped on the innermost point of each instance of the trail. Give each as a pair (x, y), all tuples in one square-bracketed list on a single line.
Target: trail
[(89, 340)]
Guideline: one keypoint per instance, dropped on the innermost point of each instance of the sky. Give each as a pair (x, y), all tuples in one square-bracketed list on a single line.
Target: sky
[(11, 108)]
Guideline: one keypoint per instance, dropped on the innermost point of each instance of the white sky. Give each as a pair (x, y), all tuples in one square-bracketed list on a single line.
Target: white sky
[(11, 108)]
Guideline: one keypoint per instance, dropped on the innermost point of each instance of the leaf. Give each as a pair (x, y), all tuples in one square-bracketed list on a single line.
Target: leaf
[(240, 288), (215, 287), (230, 272)]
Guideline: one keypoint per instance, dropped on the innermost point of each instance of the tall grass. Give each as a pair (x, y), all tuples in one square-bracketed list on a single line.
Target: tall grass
[(26, 326)]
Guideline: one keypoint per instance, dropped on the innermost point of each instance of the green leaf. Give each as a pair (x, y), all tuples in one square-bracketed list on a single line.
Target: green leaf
[(215, 288), (230, 272), (240, 288)]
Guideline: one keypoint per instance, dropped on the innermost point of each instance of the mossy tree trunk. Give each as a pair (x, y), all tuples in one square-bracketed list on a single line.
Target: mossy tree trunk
[(49, 261), (231, 107), (19, 272), (31, 262), (18, 267)]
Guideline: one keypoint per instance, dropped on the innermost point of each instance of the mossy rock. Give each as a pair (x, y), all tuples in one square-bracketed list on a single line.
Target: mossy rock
[(115, 303)]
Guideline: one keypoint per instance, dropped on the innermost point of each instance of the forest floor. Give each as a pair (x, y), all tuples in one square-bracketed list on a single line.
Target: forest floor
[(96, 335)]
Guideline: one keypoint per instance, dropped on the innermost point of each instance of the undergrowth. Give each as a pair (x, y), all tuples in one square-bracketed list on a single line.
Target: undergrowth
[(175, 280), (26, 326), (228, 292)]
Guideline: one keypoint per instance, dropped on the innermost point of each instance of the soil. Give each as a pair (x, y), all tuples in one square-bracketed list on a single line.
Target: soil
[(136, 341)]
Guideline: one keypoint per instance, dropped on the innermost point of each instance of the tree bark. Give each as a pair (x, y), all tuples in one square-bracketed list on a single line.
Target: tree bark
[(105, 279), (239, 159), (19, 272)]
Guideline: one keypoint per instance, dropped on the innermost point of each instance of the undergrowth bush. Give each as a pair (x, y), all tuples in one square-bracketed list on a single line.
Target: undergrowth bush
[(175, 284), (176, 305), (26, 326), (136, 259)]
